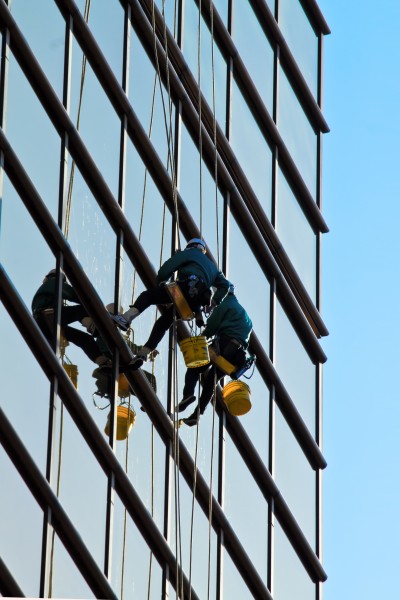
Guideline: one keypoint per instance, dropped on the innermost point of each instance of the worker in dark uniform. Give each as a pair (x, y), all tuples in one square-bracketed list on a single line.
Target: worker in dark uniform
[(43, 305), (196, 274), (230, 327)]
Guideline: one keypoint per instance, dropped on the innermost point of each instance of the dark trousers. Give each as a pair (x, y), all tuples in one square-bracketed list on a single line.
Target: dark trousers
[(212, 375), (70, 314), (159, 295)]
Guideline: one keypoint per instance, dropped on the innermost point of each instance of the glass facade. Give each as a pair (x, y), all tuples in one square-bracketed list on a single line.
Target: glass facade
[(128, 128)]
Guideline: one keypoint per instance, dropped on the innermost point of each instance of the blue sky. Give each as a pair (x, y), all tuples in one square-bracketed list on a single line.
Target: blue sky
[(361, 299)]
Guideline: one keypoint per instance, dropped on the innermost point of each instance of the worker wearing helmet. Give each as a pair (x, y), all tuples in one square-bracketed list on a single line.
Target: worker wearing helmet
[(43, 305), (230, 327), (196, 274)]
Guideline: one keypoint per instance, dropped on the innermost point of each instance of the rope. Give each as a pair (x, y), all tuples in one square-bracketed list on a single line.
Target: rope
[(211, 487), (64, 359), (168, 129), (125, 514), (78, 121), (218, 263), (200, 118), (214, 129), (192, 512)]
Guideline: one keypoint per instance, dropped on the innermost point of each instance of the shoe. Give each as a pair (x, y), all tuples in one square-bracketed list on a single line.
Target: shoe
[(90, 326), (103, 372), (193, 419), (136, 363), (121, 322), (103, 361), (183, 404)]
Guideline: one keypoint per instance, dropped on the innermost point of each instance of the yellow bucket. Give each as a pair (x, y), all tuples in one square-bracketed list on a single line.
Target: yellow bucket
[(125, 421), (195, 351), (236, 395), (123, 386), (72, 372)]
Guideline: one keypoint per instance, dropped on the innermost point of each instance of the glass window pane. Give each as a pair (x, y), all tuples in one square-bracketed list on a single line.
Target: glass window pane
[(295, 368), (298, 585), (194, 537), (295, 478), (296, 235), (21, 531), (135, 571), (246, 509), (255, 51), (301, 39), (250, 283), (66, 580), (45, 36), (297, 133), (222, 7), (32, 136), (251, 149), (106, 21), (150, 101), (208, 71), (207, 210), (233, 584), (100, 128)]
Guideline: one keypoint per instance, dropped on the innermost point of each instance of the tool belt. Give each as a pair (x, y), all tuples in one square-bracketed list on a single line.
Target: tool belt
[(194, 284)]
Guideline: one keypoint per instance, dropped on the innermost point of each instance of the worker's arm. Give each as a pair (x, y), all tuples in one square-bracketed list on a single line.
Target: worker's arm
[(222, 285), (170, 266)]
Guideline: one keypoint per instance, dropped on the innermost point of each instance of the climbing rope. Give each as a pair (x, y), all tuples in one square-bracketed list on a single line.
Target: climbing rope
[(64, 359), (200, 118), (168, 126)]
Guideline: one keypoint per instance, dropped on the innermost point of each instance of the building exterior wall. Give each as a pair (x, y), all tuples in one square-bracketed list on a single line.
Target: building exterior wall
[(112, 159)]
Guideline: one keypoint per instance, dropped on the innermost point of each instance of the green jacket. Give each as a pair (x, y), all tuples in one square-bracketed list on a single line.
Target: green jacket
[(230, 319), (193, 262), (45, 297)]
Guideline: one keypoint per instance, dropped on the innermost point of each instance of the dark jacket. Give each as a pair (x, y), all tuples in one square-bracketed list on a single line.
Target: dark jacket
[(45, 296), (192, 261), (231, 320)]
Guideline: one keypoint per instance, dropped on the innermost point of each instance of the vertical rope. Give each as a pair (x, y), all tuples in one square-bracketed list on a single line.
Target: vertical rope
[(214, 130), (125, 515), (200, 118), (168, 128), (192, 513), (66, 234), (78, 122), (218, 263)]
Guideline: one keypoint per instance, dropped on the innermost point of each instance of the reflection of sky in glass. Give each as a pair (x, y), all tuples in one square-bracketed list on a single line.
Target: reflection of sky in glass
[(255, 50), (301, 40), (190, 49), (296, 235), (297, 133), (295, 478), (251, 149), (295, 368), (298, 585), (244, 498)]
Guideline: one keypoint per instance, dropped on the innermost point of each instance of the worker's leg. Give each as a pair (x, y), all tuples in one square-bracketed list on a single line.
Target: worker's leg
[(87, 343), (191, 380), (160, 327), (157, 295)]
